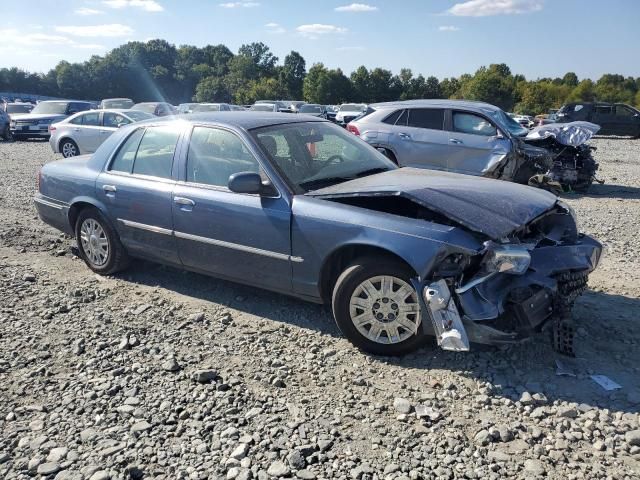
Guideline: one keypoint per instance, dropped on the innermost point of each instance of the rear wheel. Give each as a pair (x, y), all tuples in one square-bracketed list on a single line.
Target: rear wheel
[(390, 155), (69, 148), (377, 308), (98, 243)]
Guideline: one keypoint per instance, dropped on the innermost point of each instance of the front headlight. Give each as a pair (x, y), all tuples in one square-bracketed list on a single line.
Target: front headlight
[(566, 207), (513, 259)]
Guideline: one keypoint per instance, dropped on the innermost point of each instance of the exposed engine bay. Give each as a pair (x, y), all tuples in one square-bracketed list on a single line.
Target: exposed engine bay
[(555, 157)]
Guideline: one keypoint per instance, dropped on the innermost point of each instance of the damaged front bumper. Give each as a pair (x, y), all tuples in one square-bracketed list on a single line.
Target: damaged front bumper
[(499, 307)]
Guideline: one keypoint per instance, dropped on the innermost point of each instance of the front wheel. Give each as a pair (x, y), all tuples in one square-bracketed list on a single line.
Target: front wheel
[(6, 134), (377, 308), (98, 243)]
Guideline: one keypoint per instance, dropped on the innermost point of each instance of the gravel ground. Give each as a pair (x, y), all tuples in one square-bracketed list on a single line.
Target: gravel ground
[(158, 373)]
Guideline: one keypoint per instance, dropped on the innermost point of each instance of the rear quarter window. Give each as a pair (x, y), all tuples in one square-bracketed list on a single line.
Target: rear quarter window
[(393, 118), (430, 118)]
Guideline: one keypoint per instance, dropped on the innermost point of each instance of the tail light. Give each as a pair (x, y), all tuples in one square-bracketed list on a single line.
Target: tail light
[(39, 179), (353, 129)]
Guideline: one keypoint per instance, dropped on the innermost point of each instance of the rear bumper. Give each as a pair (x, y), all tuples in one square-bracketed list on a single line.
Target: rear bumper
[(53, 212)]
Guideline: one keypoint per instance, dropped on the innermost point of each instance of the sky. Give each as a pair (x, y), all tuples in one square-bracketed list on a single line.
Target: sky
[(537, 38)]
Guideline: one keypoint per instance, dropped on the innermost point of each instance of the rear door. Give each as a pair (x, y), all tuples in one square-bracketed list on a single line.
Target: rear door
[(604, 116), (231, 235), (419, 139), (136, 187), (477, 146), (625, 121)]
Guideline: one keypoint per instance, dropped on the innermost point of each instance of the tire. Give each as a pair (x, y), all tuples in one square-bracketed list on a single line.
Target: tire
[(350, 288), (68, 148), (6, 134), (105, 259)]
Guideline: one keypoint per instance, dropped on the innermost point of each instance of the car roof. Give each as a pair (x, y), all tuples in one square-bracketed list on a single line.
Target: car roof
[(246, 120), (443, 103)]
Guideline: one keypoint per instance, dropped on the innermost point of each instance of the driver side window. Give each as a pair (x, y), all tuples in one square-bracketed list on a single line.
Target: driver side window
[(214, 155), (473, 125)]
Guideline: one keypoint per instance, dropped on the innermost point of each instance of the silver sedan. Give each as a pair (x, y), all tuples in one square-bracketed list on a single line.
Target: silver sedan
[(84, 132)]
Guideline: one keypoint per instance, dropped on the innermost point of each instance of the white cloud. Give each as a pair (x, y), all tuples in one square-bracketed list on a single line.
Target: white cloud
[(448, 28), (274, 28), (146, 5), (109, 30), (485, 8), (84, 11), (314, 30), (239, 4), (355, 48), (14, 37), (356, 7), (89, 46)]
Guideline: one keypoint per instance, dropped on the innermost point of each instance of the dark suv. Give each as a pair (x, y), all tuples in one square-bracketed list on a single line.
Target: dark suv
[(36, 124), (613, 118)]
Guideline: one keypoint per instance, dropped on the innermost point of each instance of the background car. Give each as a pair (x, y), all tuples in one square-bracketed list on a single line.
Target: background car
[(5, 121), (211, 107), (332, 111), (278, 106), (116, 103), (613, 118), (348, 112), (313, 109), (36, 124), (185, 108), (84, 132), (244, 197), (238, 108), (295, 105), (159, 109)]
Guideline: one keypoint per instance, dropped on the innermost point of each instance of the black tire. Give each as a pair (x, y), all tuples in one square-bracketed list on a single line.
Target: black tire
[(390, 155), (348, 283), (68, 148), (6, 134), (116, 258)]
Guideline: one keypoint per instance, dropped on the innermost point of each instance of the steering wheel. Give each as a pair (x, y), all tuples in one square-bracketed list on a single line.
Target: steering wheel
[(334, 159)]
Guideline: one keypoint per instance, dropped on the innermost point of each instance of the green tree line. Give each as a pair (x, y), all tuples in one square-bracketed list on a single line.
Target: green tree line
[(158, 70)]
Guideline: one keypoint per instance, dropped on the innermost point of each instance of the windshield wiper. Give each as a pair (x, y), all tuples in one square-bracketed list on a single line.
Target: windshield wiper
[(371, 171), (328, 181)]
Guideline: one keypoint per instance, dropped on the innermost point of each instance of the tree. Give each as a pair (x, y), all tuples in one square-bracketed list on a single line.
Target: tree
[(261, 56), (493, 85), (292, 74), (570, 79), (360, 84), (212, 89), (583, 92)]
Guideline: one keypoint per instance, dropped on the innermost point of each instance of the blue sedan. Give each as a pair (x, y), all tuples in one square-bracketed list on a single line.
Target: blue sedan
[(297, 205)]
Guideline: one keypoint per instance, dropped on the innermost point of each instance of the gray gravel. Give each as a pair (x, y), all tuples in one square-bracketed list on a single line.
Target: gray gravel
[(158, 373)]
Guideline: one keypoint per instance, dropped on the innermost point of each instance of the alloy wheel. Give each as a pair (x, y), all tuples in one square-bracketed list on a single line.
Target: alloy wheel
[(69, 150)]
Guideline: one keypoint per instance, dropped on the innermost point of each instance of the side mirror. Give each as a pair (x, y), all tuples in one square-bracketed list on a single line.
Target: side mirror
[(249, 182)]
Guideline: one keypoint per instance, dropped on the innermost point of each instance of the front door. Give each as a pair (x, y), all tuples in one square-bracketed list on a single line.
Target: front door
[(137, 189), (235, 236), (476, 145)]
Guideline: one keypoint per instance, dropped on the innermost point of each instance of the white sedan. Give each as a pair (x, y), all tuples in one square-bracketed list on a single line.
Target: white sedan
[(84, 132)]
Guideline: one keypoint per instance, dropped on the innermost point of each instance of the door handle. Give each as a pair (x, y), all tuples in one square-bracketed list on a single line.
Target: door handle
[(404, 136), (455, 141), (76, 129), (109, 190), (186, 204)]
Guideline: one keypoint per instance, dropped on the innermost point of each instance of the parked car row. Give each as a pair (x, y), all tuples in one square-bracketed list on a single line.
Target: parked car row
[(298, 205)]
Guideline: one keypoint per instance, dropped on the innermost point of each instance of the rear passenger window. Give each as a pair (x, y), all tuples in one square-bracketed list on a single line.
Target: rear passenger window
[(431, 118), (214, 155), (91, 119), (473, 124), (393, 118), (155, 153), (623, 111), (603, 110), (124, 159)]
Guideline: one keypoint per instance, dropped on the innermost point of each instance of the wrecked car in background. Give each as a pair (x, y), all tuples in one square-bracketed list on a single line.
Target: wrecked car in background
[(473, 138), (295, 204)]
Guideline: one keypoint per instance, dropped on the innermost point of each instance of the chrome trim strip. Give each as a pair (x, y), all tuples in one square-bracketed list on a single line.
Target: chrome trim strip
[(148, 228), (236, 246), (47, 203)]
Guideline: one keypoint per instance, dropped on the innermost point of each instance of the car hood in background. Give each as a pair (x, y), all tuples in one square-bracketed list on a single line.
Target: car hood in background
[(494, 208), (41, 116)]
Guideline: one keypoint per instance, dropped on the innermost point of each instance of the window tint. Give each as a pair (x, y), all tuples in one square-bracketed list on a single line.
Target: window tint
[(391, 119), (78, 120), (402, 119), (623, 111), (432, 118), (155, 153), (472, 124), (124, 159), (214, 155), (603, 110), (110, 119), (91, 119)]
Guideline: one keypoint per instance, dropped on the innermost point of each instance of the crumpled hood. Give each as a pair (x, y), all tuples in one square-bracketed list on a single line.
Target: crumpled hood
[(494, 208)]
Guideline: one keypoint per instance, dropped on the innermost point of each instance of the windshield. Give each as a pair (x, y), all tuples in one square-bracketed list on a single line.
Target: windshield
[(310, 109), (51, 108), (117, 103), (22, 108), (138, 116), (314, 155), (351, 107), (508, 123), (263, 107), (206, 108)]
